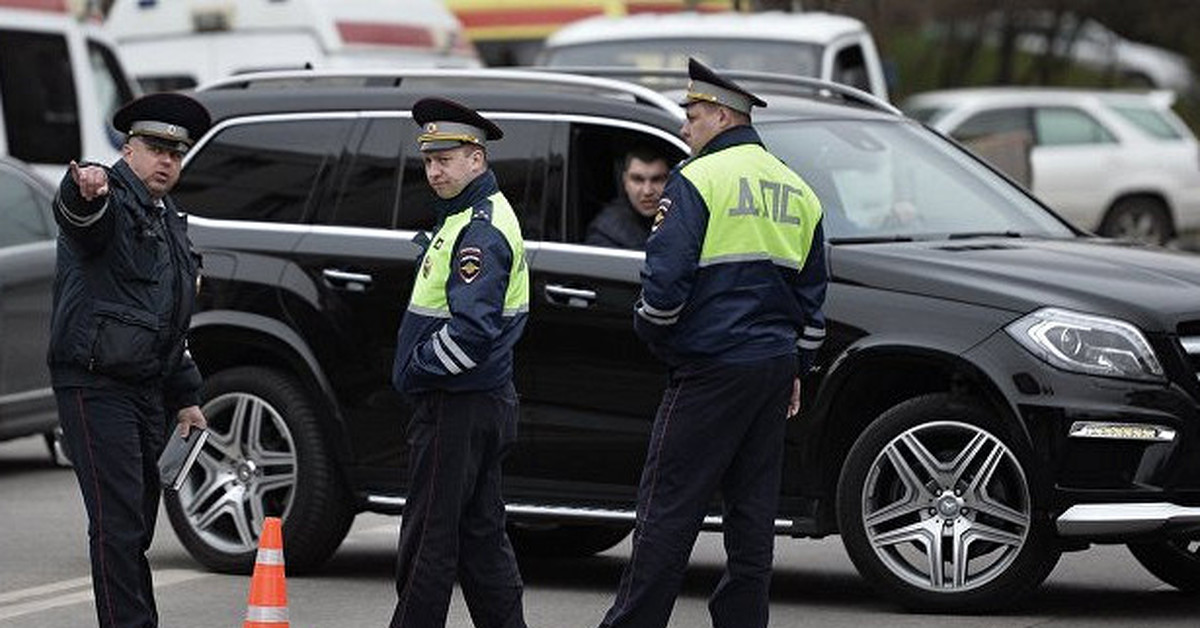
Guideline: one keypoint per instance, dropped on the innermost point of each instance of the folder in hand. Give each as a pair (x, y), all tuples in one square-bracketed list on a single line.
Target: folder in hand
[(179, 455)]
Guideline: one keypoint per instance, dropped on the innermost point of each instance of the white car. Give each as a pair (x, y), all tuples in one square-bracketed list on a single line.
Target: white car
[(1121, 164), (822, 45)]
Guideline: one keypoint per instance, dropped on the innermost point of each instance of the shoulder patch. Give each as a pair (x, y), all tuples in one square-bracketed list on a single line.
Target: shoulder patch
[(470, 263), (664, 206)]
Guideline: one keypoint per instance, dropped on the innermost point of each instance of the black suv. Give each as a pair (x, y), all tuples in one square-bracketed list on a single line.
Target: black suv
[(996, 387)]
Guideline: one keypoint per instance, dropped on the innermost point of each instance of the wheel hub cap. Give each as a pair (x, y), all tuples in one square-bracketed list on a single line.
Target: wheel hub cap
[(949, 506)]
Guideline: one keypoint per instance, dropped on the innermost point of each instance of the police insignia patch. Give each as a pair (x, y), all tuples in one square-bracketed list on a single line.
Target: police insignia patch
[(470, 263)]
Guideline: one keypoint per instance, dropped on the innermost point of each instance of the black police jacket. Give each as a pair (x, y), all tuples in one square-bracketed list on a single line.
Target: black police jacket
[(124, 292)]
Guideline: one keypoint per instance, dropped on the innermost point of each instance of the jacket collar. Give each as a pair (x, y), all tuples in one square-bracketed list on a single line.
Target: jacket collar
[(734, 136), (478, 189), (130, 181)]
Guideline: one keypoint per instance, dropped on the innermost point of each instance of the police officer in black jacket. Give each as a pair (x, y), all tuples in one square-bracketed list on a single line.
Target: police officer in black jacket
[(122, 376)]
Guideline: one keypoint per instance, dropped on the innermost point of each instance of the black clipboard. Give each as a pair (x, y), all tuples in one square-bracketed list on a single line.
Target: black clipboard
[(179, 455)]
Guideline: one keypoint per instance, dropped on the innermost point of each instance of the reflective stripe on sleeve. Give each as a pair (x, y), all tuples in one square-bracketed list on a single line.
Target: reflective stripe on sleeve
[(455, 350), (444, 357), (76, 219), (658, 316)]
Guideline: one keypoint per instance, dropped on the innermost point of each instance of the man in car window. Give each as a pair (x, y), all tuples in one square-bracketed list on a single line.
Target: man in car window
[(454, 362), (123, 299), (732, 291), (625, 222)]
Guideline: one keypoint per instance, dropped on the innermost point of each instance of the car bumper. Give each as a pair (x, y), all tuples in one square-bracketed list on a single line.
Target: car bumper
[(1123, 520), (1137, 476)]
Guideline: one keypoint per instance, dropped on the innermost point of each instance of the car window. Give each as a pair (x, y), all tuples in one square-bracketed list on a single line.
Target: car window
[(22, 211), (596, 165), (850, 68), (519, 161), (1150, 120), (111, 87), (265, 171), (731, 54), (41, 114), (1065, 126), (993, 122), (166, 83), (884, 179), (368, 191)]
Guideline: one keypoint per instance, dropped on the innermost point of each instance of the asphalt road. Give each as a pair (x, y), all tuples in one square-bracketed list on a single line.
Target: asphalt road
[(44, 579)]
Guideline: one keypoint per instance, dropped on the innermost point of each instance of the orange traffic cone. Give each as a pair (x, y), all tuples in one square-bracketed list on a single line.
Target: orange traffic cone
[(267, 606)]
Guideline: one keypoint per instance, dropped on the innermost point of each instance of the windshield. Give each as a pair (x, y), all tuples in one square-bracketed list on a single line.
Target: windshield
[(889, 180), (657, 54)]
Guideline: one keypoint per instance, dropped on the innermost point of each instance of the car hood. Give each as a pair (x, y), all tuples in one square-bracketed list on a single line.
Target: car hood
[(1153, 288)]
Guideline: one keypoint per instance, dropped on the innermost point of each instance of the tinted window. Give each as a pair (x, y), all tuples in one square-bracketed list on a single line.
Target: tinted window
[(519, 161), (367, 194), (111, 89), (993, 122), (1151, 121), (1063, 126), (264, 171), (40, 111), (22, 211)]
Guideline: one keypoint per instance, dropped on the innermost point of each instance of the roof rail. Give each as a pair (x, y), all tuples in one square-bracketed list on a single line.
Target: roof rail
[(791, 84), (394, 78)]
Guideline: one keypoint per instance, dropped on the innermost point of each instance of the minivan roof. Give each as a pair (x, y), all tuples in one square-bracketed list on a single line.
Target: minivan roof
[(813, 27)]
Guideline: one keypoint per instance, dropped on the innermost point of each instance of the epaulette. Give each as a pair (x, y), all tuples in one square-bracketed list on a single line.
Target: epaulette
[(482, 211)]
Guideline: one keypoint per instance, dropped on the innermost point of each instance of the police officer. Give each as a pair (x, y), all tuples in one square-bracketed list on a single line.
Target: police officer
[(454, 362), (731, 299), (122, 377)]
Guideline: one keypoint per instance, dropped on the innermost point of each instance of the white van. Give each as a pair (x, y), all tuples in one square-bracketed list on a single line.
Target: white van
[(179, 44), (60, 82), (819, 45)]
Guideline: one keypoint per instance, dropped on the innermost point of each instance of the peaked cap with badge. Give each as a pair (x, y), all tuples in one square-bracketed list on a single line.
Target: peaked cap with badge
[(447, 124), (170, 120), (705, 86)]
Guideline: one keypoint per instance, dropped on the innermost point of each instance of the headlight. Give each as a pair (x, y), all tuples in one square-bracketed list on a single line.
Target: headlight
[(1087, 344)]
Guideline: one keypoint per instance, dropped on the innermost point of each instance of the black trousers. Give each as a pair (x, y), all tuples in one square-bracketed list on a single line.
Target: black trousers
[(453, 523), (115, 439), (720, 427)]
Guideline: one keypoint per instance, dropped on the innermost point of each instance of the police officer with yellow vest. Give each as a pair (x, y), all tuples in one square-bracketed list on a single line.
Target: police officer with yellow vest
[(731, 299), (454, 362)]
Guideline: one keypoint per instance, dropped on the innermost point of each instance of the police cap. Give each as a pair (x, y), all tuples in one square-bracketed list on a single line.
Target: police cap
[(705, 86), (447, 124), (172, 121)]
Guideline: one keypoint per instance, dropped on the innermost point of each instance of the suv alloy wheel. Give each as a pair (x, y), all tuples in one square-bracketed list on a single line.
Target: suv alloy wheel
[(264, 457), (936, 504)]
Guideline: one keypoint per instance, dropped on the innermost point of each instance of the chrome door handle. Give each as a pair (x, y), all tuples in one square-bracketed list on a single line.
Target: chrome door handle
[(571, 297), (356, 282)]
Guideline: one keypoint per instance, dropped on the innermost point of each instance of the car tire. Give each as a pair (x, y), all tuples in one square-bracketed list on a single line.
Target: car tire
[(265, 456), (565, 540), (1138, 218), (1175, 561), (934, 476)]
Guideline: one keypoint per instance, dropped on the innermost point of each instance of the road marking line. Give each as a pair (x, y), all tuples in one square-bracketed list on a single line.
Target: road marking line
[(8, 610), (45, 589)]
